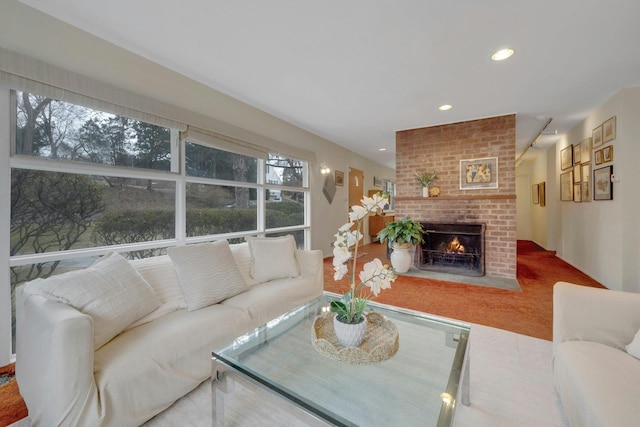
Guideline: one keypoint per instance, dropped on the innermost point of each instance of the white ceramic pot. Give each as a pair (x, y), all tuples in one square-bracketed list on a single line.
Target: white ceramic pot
[(401, 259), (350, 334), (425, 191)]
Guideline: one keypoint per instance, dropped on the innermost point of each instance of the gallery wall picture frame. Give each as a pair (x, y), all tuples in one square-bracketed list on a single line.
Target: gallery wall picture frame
[(340, 178), (586, 192), (576, 153), (566, 157), (585, 172), (609, 130), (566, 186), (607, 154), (577, 192), (585, 150), (577, 176), (602, 185), (535, 194), (477, 174), (542, 194), (597, 156), (596, 137)]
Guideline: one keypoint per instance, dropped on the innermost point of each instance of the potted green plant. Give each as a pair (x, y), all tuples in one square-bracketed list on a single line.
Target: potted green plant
[(401, 237), (425, 179)]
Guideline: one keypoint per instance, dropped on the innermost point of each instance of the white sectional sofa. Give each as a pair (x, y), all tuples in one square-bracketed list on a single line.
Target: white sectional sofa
[(78, 366), (596, 346)]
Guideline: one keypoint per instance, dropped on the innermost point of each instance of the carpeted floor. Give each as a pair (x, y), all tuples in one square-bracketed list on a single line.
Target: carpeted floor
[(527, 312)]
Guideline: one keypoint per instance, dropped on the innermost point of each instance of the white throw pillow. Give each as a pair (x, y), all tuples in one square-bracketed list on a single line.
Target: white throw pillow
[(208, 273), (273, 258), (633, 348), (158, 271), (242, 255), (110, 291)]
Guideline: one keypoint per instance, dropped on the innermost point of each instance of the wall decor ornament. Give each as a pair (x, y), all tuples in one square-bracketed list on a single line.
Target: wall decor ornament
[(585, 150), (596, 137), (566, 186), (377, 181), (609, 130), (607, 154), (577, 192), (576, 153), (476, 174), (602, 185), (566, 157), (577, 176), (535, 194), (340, 178), (597, 156), (543, 194), (586, 182)]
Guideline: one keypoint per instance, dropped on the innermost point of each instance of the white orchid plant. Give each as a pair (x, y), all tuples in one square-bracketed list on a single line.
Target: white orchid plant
[(374, 276)]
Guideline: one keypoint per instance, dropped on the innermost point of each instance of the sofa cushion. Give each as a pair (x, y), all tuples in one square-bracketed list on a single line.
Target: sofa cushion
[(266, 301), (633, 348), (110, 291), (596, 384), (242, 255), (158, 271), (273, 258), (208, 273)]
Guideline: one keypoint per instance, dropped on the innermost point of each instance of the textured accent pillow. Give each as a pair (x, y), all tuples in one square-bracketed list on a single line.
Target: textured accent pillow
[(110, 291), (273, 258), (633, 348), (208, 273), (242, 255), (159, 272)]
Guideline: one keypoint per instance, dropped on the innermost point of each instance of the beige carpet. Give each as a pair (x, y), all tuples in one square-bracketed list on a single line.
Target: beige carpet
[(511, 385)]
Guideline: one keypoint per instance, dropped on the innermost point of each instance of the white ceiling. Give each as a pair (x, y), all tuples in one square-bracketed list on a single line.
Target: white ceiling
[(357, 71)]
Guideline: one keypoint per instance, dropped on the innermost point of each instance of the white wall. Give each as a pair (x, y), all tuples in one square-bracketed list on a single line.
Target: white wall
[(602, 238)]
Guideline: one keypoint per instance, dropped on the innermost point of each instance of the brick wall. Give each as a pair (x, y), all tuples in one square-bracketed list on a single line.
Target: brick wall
[(441, 148)]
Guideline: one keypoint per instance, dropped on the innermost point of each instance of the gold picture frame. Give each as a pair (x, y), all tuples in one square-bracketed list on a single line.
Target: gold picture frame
[(566, 157), (577, 149), (566, 186), (607, 154), (477, 174), (585, 150), (609, 130), (577, 176), (597, 156), (577, 192), (543, 194), (585, 172), (596, 137), (340, 178)]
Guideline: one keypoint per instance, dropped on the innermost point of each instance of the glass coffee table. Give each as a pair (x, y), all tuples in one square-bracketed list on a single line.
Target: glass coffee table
[(275, 376)]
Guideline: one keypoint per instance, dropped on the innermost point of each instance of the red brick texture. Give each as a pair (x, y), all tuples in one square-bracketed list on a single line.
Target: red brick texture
[(441, 148)]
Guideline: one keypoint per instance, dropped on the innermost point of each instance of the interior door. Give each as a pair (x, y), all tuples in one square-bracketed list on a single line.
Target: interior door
[(356, 186)]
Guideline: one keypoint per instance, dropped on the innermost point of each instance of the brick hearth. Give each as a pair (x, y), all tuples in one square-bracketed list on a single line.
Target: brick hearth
[(441, 148)]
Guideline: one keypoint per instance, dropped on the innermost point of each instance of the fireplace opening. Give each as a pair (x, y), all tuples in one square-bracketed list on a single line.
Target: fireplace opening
[(452, 248)]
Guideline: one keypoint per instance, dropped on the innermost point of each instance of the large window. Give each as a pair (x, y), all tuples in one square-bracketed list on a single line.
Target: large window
[(84, 182)]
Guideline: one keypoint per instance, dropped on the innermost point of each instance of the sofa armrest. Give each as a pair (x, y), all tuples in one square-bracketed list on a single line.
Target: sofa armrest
[(310, 265), (54, 359), (581, 313)]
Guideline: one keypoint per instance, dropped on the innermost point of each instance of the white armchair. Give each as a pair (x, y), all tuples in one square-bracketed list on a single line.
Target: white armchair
[(596, 378)]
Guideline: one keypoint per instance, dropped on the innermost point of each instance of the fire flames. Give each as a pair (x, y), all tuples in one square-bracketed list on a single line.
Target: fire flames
[(455, 247)]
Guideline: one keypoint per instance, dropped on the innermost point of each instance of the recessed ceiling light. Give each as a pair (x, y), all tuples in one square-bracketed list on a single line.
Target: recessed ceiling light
[(382, 149), (445, 107), (502, 54)]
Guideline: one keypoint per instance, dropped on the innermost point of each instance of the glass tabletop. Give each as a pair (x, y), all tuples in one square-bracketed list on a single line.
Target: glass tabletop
[(418, 386)]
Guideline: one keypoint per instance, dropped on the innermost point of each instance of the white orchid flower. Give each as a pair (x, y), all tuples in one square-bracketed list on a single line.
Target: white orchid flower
[(357, 213), (340, 272)]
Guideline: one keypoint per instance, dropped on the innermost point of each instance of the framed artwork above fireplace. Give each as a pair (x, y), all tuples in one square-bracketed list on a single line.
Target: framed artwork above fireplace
[(477, 174)]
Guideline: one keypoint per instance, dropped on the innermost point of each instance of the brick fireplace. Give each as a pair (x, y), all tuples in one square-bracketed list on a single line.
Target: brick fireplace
[(441, 148)]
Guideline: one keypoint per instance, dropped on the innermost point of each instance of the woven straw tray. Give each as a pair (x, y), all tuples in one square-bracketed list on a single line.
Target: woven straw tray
[(380, 341)]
